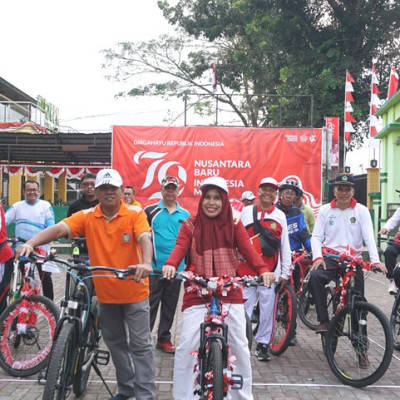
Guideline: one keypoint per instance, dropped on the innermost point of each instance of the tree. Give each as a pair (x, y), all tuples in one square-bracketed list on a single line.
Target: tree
[(265, 47)]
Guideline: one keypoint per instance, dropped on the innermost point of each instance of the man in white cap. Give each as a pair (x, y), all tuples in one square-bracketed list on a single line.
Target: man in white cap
[(117, 235), (276, 255), (248, 198)]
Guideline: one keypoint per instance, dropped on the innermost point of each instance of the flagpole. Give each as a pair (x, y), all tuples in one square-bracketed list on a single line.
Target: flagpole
[(344, 126)]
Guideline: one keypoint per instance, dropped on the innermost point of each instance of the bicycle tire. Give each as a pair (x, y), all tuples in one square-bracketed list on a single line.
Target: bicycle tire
[(61, 364), (215, 366), (359, 356), (249, 331), (25, 354), (87, 353), (395, 322), (285, 321), (306, 306)]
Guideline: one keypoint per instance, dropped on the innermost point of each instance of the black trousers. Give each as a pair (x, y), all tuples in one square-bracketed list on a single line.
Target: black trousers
[(167, 293), (391, 254), (320, 277)]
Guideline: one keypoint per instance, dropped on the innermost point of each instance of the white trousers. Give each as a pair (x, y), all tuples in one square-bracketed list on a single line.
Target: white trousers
[(266, 300), (184, 362)]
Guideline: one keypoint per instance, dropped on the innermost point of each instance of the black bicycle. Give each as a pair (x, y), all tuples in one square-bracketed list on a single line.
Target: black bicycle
[(76, 345)]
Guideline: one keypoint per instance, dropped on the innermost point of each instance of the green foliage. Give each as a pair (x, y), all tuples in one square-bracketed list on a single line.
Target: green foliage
[(264, 49)]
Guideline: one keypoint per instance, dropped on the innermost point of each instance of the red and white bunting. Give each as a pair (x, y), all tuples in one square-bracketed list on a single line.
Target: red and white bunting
[(348, 109), (393, 83), (375, 103), (214, 79)]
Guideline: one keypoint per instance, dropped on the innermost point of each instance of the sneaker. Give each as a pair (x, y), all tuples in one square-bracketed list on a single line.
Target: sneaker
[(166, 347), (294, 341), (392, 287), (363, 361), (262, 352), (322, 327), (119, 396)]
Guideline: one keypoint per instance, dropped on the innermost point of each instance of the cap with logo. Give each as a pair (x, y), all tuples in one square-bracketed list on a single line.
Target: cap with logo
[(108, 176), (247, 195), (215, 181), (269, 181), (344, 179), (170, 180)]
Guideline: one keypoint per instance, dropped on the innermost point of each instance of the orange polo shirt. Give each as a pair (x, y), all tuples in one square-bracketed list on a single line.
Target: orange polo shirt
[(113, 243)]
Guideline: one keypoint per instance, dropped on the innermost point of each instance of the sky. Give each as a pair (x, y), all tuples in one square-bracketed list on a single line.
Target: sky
[(52, 49)]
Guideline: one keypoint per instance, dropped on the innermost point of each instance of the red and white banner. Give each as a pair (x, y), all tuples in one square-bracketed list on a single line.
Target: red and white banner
[(393, 83), (348, 108), (375, 103), (332, 124), (145, 155)]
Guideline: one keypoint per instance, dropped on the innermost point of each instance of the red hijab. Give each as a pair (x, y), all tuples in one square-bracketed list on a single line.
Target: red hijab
[(212, 250)]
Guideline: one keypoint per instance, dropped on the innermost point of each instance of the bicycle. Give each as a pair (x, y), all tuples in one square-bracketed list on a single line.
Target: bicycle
[(28, 323), (303, 259), (76, 344), (358, 343), (214, 368)]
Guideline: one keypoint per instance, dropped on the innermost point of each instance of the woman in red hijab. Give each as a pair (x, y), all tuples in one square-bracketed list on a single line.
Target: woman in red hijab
[(209, 241)]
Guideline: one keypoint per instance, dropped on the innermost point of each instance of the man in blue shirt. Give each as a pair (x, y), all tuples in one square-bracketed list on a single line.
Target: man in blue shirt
[(165, 219)]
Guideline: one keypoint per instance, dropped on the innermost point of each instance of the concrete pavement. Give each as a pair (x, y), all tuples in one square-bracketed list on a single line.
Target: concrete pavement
[(302, 372)]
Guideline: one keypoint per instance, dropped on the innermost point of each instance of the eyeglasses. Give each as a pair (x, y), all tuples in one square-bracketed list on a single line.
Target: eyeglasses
[(87, 184), (289, 192), (31, 190)]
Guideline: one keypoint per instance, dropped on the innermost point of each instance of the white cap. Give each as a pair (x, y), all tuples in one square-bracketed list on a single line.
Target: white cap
[(215, 181), (247, 195), (108, 176), (269, 181)]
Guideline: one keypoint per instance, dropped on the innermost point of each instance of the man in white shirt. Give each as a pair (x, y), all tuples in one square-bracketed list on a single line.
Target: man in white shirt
[(341, 223)]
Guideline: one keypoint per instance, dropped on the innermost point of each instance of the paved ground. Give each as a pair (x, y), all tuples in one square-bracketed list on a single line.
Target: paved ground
[(301, 372)]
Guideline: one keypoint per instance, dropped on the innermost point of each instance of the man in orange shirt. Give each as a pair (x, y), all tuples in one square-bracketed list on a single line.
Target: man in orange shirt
[(117, 235)]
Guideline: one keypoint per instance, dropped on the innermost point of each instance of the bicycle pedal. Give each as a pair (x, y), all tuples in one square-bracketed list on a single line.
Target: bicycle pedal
[(102, 357), (237, 381), (41, 380)]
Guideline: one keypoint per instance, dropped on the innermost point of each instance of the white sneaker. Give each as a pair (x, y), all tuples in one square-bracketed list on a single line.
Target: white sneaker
[(392, 287)]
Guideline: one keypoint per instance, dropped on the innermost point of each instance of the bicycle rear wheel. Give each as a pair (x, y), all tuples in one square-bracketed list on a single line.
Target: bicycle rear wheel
[(25, 345), (359, 344), (395, 322), (61, 364), (215, 368), (285, 321), (306, 306)]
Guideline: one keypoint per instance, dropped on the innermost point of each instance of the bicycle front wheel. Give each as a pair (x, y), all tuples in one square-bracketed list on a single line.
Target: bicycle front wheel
[(359, 344), (215, 370), (395, 323), (285, 321), (87, 353), (61, 365), (25, 343)]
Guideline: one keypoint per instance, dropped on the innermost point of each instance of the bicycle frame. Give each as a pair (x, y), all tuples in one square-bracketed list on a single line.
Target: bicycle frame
[(214, 329)]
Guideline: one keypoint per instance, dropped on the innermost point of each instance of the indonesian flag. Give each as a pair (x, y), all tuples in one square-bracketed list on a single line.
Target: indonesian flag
[(375, 103), (348, 109), (393, 83), (214, 79)]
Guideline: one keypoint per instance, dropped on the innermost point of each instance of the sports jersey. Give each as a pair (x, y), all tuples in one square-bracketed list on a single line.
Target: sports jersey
[(30, 218), (165, 227), (297, 228), (282, 264), (336, 229), (113, 243)]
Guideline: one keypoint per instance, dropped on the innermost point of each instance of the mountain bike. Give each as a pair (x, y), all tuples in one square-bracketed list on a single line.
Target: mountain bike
[(358, 343), (214, 368), (76, 344), (28, 323), (303, 259)]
